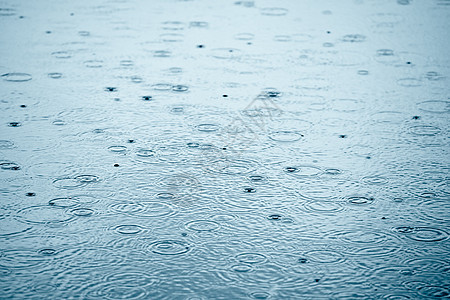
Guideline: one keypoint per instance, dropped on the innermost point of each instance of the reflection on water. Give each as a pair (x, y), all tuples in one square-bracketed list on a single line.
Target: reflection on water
[(193, 149)]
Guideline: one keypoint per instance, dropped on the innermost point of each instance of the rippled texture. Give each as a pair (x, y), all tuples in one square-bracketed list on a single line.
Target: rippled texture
[(212, 149)]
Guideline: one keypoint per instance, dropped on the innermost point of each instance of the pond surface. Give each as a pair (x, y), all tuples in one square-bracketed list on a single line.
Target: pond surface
[(224, 149)]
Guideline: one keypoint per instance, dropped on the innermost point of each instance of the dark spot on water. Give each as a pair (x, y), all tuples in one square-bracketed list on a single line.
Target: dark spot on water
[(200, 46), (302, 260), (110, 89), (48, 32), (316, 280), (30, 194), (15, 168), (116, 165), (368, 157), (183, 234), (342, 136), (250, 190), (130, 141), (328, 32), (408, 62), (23, 106), (21, 17), (225, 96), (416, 117), (249, 43), (291, 169), (224, 148), (383, 218), (14, 124), (71, 14), (146, 98), (275, 217)]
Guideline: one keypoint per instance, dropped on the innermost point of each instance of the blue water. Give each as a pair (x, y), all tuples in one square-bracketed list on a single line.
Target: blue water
[(168, 149)]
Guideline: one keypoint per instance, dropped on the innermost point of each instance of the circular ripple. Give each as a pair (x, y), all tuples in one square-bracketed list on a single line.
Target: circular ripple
[(207, 127), (285, 136), (323, 207), (425, 130), (43, 215), (16, 77), (378, 180), (303, 170), (117, 148), (202, 225), (435, 106), (87, 178), (62, 54), (409, 82), (232, 167), (251, 258), (5, 144), (170, 247), (143, 209), (63, 202), (82, 212), (226, 53), (274, 11), (324, 256), (434, 291), (20, 259), (128, 229), (94, 63), (244, 36), (358, 200), (67, 183), (423, 234)]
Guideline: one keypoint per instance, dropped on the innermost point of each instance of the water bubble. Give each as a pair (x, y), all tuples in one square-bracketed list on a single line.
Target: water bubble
[(16, 77)]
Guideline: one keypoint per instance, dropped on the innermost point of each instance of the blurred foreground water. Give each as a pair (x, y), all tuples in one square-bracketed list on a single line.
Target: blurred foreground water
[(224, 149)]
